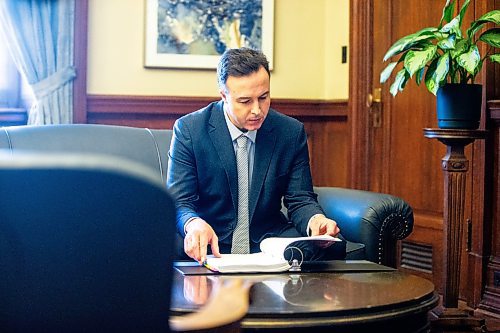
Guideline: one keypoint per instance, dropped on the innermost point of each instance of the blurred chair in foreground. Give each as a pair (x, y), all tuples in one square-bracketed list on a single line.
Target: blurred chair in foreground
[(86, 245)]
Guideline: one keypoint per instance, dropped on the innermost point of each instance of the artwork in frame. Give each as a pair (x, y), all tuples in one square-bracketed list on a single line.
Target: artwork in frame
[(194, 33)]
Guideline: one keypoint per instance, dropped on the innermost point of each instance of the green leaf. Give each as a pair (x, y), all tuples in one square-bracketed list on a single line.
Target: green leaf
[(462, 12), (386, 73), (495, 57), (420, 76), (429, 76), (478, 69), (447, 12), (443, 66), (437, 72), (470, 60), (447, 43), (416, 60), (491, 37), (460, 47), (432, 86), (409, 41), (493, 16), (453, 27), (399, 82)]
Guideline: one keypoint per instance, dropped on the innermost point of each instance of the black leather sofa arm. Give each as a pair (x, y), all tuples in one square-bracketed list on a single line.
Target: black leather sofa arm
[(374, 219)]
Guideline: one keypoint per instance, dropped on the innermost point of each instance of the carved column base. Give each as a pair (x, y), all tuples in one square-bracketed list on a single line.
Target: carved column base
[(455, 320)]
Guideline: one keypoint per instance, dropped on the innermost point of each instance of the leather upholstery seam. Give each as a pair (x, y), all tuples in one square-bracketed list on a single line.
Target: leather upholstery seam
[(387, 221), (9, 141), (157, 152)]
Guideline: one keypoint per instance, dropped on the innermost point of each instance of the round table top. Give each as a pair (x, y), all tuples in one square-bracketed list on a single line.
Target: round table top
[(322, 298)]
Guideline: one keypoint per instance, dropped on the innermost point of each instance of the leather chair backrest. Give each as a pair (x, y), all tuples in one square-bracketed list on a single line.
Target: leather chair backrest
[(86, 245), (148, 147)]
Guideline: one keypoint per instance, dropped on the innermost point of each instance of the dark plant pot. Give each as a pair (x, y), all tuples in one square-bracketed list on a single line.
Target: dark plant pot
[(459, 106)]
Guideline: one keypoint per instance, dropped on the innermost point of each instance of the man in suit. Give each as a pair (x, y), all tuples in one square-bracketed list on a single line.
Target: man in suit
[(203, 171)]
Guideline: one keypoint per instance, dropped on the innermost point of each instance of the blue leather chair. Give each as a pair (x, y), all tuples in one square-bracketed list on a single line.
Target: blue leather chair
[(371, 222), (86, 245)]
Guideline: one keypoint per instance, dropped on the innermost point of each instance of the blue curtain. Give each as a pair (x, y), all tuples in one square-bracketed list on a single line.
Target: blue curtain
[(40, 37)]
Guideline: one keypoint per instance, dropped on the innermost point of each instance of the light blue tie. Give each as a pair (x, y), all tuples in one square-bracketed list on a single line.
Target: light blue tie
[(241, 242)]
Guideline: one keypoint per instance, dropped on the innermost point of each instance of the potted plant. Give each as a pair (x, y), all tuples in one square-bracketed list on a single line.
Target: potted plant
[(447, 59)]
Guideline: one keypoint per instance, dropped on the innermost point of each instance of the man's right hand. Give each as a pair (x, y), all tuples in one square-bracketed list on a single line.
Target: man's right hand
[(198, 235)]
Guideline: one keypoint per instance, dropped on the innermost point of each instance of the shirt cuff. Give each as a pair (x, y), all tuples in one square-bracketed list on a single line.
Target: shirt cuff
[(308, 229), (189, 221)]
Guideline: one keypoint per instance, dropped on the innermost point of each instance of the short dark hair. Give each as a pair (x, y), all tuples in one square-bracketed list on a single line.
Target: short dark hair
[(240, 62)]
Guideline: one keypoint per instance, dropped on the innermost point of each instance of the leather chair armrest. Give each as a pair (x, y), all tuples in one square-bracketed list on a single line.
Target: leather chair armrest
[(377, 220)]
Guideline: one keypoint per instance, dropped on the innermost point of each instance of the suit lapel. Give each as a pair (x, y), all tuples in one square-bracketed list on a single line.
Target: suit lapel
[(264, 147), (221, 139)]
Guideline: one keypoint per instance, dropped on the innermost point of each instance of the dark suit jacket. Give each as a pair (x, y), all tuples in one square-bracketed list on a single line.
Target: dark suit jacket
[(202, 174)]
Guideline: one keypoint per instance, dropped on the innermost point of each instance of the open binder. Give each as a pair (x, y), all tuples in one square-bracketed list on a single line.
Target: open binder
[(278, 254)]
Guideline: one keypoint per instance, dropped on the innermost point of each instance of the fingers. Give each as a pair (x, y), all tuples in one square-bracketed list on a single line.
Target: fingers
[(202, 248), (195, 246), (324, 226), (314, 229), (332, 229), (192, 246), (336, 231), (198, 236), (214, 245)]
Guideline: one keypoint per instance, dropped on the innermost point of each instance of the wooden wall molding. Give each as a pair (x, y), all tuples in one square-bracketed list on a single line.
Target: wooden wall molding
[(305, 108), (161, 111), (168, 105)]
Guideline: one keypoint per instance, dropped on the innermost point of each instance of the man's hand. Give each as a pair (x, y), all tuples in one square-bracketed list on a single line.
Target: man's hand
[(198, 235), (321, 225)]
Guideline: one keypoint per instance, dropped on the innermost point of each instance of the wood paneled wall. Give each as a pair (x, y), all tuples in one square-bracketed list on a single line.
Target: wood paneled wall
[(325, 123), (394, 157), (490, 300)]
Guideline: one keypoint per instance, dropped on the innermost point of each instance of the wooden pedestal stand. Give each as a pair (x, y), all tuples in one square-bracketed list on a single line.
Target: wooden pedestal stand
[(455, 166)]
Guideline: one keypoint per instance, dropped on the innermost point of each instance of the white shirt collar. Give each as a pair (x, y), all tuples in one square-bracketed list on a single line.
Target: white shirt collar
[(235, 132)]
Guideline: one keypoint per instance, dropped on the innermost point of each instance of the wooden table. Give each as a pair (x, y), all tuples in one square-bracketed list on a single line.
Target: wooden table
[(384, 301)]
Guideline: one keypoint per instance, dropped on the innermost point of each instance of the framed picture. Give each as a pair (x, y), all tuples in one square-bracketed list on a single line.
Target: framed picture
[(194, 33)]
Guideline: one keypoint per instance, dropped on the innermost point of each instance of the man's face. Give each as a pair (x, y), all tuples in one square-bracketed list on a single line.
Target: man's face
[(246, 99)]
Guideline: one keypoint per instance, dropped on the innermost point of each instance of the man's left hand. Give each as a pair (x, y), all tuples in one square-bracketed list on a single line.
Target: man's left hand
[(321, 225)]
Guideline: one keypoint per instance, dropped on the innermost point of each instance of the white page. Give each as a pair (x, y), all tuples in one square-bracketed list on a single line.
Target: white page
[(276, 246)]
